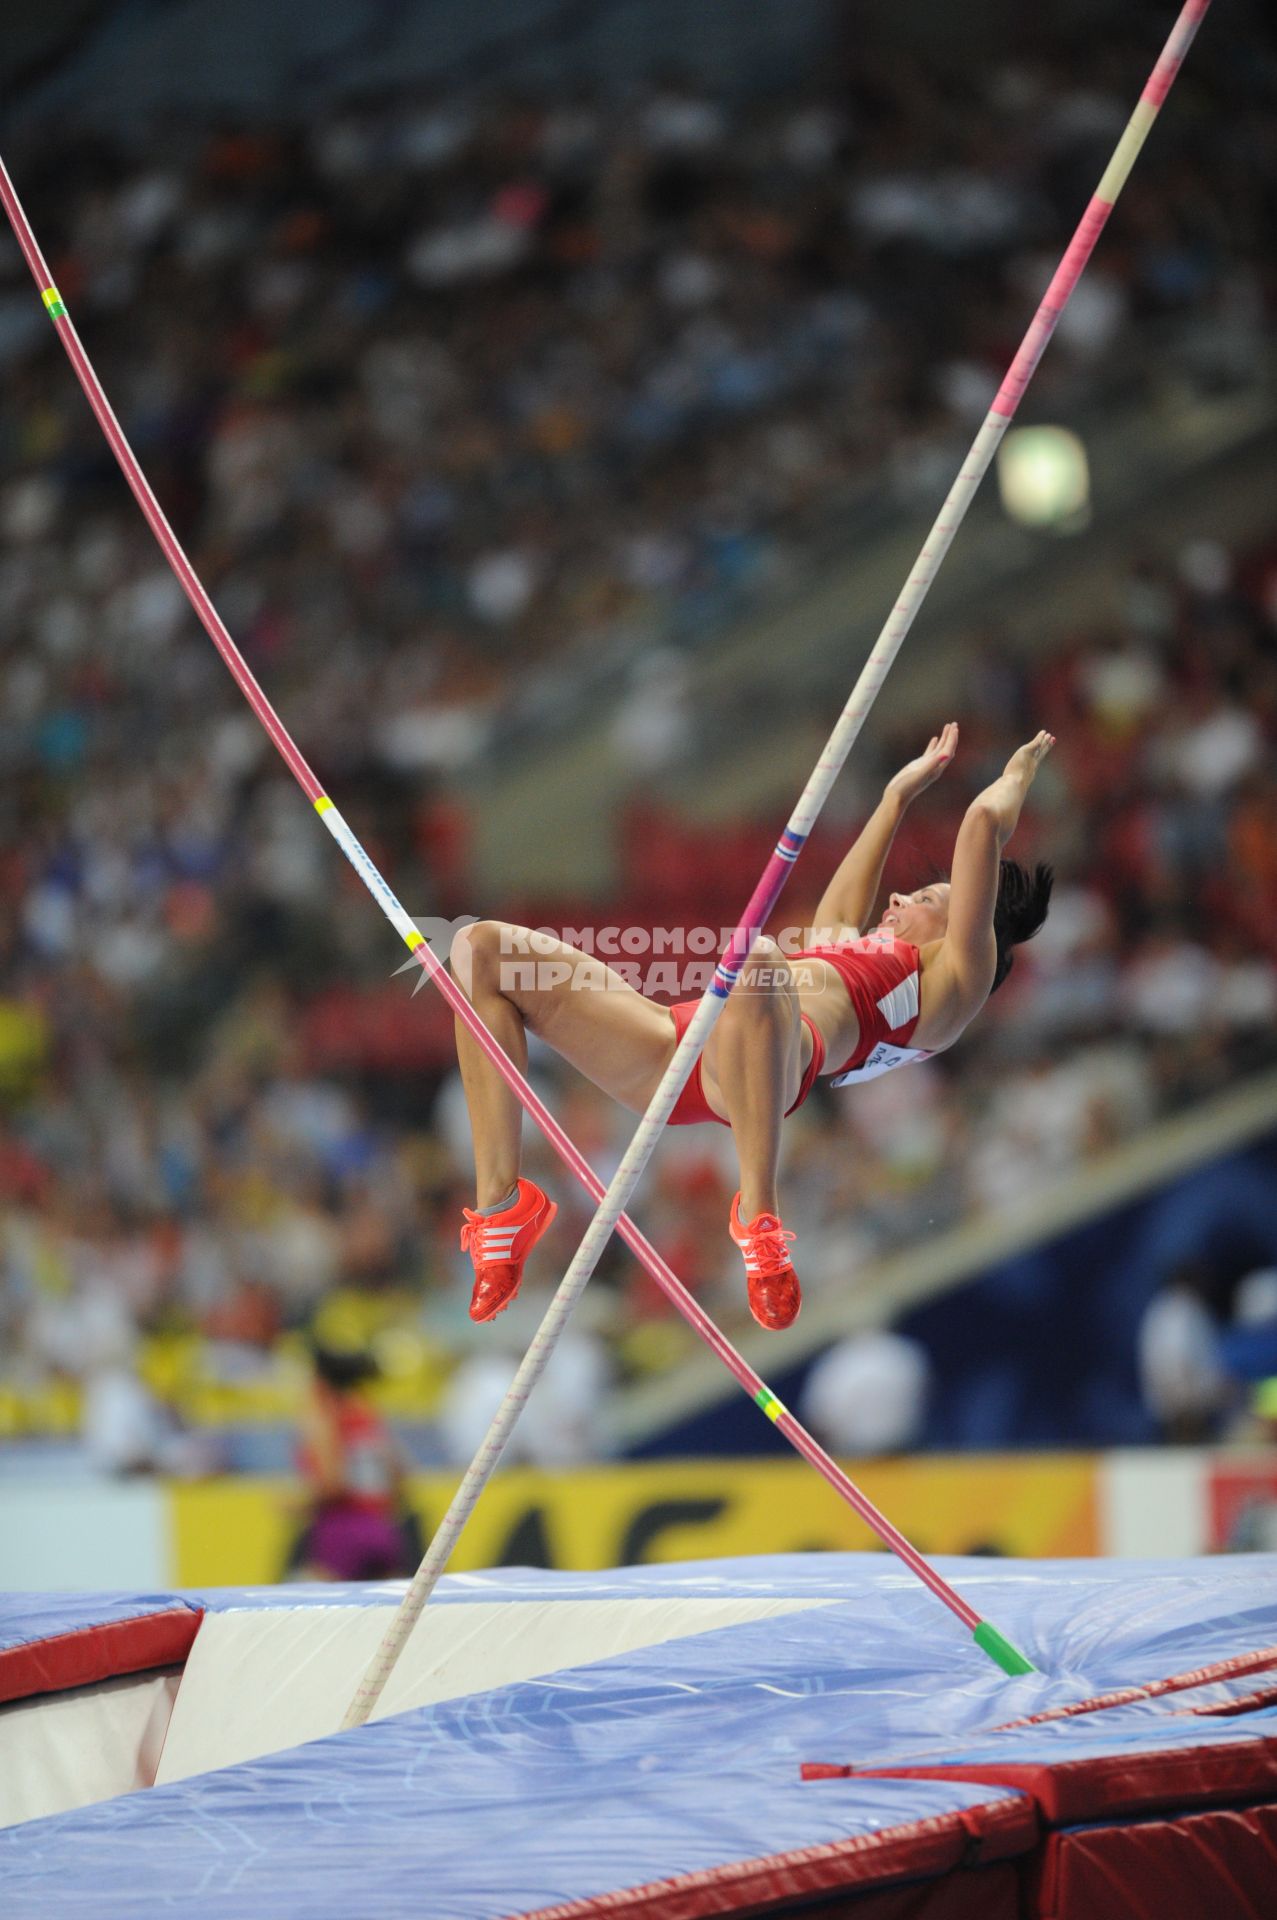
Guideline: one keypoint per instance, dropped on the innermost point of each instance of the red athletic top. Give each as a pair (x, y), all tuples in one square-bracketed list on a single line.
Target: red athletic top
[(883, 978)]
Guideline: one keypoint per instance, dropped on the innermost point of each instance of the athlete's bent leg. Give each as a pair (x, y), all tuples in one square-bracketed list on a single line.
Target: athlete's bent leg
[(753, 1061), (496, 1118), (520, 981)]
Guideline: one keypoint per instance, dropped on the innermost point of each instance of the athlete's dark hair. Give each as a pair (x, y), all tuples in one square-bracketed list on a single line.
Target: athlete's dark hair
[(1020, 910), (341, 1368)]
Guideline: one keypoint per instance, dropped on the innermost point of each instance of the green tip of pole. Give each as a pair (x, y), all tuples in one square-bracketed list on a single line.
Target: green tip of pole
[(999, 1649)]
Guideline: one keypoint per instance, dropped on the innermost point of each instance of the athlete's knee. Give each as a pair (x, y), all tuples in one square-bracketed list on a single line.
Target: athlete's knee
[(476, 955), (765, 985)]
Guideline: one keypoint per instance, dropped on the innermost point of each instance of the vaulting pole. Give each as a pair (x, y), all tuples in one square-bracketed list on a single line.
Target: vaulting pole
[(786, 852)]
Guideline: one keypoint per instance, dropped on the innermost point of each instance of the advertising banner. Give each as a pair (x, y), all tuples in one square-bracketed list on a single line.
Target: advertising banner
[(240, 1531)]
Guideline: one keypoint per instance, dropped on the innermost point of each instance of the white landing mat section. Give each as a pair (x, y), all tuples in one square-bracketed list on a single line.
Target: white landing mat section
[(266, 1678), (64, 1750)]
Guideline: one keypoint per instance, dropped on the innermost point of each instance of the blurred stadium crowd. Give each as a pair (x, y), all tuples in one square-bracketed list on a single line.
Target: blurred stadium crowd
[(440, 395)]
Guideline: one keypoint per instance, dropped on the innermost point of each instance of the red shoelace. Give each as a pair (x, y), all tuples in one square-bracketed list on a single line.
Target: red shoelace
[(766, 1249)]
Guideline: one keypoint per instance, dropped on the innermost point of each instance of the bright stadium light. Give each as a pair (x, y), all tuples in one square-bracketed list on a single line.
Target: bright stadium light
[(1044, 479)]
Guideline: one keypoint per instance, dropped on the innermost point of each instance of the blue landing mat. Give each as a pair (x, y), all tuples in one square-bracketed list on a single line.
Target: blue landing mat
[(677, 1760)]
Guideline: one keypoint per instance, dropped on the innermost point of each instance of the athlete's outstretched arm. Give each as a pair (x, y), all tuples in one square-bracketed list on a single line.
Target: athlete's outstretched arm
[(849, 898), (970, 951)]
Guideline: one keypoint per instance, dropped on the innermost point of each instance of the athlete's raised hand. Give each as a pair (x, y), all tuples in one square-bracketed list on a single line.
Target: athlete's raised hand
[(923, 772), (1002, 802), (1026, 760)]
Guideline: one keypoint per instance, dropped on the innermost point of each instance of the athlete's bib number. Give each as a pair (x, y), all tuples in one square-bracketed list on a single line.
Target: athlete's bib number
[(881, 1060)]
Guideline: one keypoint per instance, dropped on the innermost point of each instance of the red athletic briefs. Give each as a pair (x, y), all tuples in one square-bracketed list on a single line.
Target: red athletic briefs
[(692, 1107)]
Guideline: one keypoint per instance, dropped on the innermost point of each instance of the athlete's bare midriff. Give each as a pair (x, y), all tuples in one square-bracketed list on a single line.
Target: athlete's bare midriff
[(944, 1012)]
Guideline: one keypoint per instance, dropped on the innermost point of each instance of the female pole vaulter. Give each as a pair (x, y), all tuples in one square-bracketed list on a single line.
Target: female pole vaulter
[(847, 1007)]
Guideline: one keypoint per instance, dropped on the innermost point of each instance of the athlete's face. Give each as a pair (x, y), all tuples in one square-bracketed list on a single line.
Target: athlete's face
[(919, 917)]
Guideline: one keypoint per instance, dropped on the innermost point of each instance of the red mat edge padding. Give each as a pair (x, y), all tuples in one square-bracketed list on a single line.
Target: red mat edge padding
[(992, 1893), (90, 1654), (1066, 1791), (1218, 1863), (918, 1850)]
